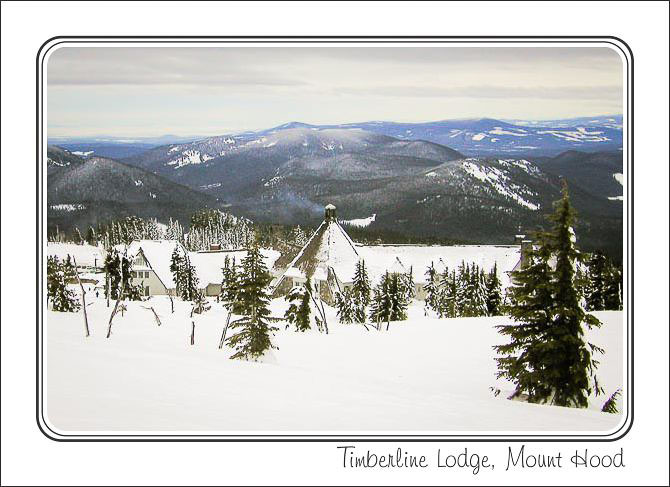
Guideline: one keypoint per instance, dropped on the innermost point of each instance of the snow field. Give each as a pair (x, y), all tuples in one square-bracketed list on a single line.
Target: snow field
[(424, 375)]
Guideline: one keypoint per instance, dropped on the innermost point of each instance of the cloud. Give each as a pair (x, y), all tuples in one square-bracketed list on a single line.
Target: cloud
[(187, 90), (491, 91)]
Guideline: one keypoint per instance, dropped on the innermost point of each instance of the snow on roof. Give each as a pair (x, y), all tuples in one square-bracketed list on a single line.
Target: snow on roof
[(85, 255), (158, 254), (208, 265), (380, 258), (328, 247)]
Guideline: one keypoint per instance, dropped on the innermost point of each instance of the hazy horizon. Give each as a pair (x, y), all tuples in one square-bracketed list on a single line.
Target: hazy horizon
[(144, 92)]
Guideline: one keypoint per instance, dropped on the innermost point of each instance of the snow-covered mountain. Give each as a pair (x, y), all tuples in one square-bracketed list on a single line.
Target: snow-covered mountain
[(288, 173), (87, 191), (487, 136)]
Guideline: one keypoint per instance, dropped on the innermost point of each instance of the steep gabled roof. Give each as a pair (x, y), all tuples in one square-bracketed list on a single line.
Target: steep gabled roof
[(328, 248), (158, 254)]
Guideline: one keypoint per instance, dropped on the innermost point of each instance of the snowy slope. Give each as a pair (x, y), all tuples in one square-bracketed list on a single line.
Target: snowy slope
[(424, 375)]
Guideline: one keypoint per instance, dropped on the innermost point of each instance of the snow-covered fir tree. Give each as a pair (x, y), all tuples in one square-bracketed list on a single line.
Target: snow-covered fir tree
[(610, 405), (360, 290), (613, 298), (449, 307), (61, 298), (176, 266), (174, 231), (230, 285), (493, 293), (298, 313), (595, 286), (254, 331), (476, 293), (210, 226), (463, 290), (345, 306), (390, 298), (381, 303), (547, 358), (112, 268), (432, 302), (187, 281)]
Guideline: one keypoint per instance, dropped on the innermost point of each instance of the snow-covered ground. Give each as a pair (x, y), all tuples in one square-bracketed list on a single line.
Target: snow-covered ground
[(424, 375)]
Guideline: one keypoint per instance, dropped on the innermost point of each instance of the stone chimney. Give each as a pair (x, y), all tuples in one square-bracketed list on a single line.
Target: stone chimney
[(330, 213)]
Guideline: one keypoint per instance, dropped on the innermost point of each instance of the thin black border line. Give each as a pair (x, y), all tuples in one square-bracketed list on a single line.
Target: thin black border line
[(622, 46)]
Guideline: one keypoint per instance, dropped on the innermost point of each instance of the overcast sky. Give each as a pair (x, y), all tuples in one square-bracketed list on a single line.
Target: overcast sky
[(151, 91)]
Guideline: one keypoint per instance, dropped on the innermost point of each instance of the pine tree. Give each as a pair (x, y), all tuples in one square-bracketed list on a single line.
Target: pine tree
[(401, 291), (531, 305), (360, 292), (448, 294), (612, 289), (112, 267), (176, 266), (299, 311), (381, 304), (476, 302), (188, 280), (230, 286), (595, 288), (547, 358), (461, 296), (493, 293), (610, 405), (432, 301), (69, 271), (62, 298), (344, 305), (253, 337), (91, 237)]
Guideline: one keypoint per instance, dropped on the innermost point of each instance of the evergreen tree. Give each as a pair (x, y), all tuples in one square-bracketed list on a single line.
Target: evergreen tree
[(401, 291), (595, 288), (253, 337), (112, 267), (612, 292), (462, 304), (547, 358), (531, 305), (69, 271), (448, 294), (230, 286), (176, 268), (493, 293), (360, 292), (476, 292), (188, 281), (299, 311), (381, 305), (610, 405), (62, 298), (433, 301), (345, 306), (90, 237)]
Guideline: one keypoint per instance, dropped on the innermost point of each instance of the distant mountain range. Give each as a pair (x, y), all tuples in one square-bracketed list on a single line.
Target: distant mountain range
[(472, 137), (83, 192), (487, 136), (399, 184)]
